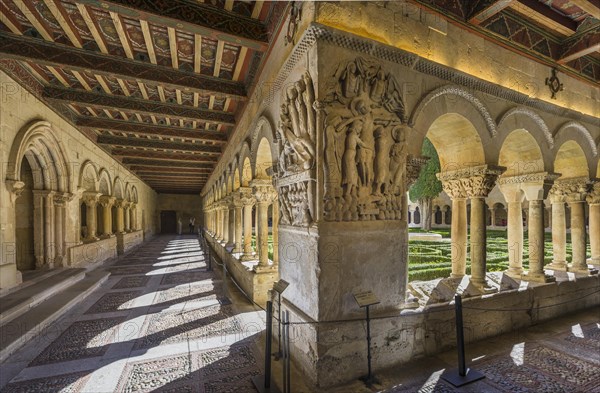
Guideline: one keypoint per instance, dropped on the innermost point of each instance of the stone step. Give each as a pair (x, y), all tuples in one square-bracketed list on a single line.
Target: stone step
[(32, 323), (44, 286)]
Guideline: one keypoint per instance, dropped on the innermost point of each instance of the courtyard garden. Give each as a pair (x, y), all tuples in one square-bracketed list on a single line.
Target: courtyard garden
[(431, 259)]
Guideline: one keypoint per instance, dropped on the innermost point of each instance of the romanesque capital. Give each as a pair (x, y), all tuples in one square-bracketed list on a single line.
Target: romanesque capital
[(61, 199), (413, 168), (480, 184), (106, 201), (121, 203), (593, 197), (263, 191), (15, 187), (246, 196), (91, 198), (575, 190)]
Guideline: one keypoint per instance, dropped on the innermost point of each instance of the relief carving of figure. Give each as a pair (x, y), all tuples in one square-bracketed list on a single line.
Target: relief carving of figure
[(366, 108)]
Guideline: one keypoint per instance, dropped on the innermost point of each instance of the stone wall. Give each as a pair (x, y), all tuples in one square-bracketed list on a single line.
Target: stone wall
[(186, 206), (19, 109), (402, 337)]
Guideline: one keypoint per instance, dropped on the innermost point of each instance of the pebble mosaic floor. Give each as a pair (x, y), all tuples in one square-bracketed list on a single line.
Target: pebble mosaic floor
[(161, 323)]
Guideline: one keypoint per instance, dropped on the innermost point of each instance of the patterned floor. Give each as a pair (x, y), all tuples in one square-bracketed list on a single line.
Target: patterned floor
[(161, 323)]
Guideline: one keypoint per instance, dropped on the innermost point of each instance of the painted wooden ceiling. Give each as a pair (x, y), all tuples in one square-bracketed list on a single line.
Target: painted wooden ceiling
[(562, 33), (157, 84)]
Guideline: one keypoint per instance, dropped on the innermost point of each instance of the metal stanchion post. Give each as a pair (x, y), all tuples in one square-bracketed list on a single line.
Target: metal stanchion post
[(286, 353), (279, 287), (463, 375), (263, 383)]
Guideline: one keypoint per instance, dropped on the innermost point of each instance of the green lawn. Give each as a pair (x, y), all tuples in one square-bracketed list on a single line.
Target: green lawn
[(429, 260)]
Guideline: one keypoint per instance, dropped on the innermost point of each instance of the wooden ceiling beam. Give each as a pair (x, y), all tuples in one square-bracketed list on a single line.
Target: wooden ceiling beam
[(157, 156), (30, 49), (93, 28), (485, 10), (544, 15), (31, 14), (56, 8), (157, 161), (194, 17), (584, 45), (10, 20), (150, 129), (158, 144), (136, 105), (592, 7), (171, 170)]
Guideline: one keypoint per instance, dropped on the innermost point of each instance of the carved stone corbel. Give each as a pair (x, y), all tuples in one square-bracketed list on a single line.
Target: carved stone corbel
[(15, 187)]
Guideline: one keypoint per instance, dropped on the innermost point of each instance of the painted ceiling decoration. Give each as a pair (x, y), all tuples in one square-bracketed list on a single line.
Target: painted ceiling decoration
[(561, 33), (157, 84)]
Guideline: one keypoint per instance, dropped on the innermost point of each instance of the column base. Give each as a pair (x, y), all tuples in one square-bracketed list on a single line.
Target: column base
[(456, 276), (537, 277), (410, 302), (107, 236), (557, 265), (583, 270), (514, 272), (593, 261), (248, 257), (477, 287), (264, 269)]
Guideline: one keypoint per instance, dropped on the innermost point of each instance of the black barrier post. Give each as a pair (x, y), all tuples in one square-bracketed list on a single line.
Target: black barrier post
[(367, 299), (263, 383), (463, 375), (279, 287), (287, 378)]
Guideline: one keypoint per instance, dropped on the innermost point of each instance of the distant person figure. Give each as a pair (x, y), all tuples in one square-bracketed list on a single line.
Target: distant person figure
[(192, 224), (179, 226)]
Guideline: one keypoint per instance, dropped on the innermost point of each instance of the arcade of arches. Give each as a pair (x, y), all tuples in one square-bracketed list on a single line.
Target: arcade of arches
[(308, 182)]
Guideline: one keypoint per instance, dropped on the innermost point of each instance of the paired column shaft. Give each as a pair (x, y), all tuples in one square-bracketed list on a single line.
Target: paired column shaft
[(515, 239), (458, 234), (578, 237), (478, 241)]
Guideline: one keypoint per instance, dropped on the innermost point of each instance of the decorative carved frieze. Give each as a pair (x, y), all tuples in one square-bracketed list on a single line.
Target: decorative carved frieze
[(365, 144), (297, 131)]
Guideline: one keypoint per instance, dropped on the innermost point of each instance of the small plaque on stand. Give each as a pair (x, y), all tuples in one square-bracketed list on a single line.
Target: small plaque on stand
[(280, 286), (365, 298)]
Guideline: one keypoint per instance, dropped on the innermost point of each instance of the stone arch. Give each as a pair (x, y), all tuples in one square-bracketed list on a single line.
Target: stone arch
[(134, 194), (445, 100), (264, 149), (229, 180), (119, 188), (520, 154), (104, 184), (570, 161), (244, 163), (526, 118), (576, 132), (457, 142), (236, 179), (128, 192), (37, 142), (88, 177)]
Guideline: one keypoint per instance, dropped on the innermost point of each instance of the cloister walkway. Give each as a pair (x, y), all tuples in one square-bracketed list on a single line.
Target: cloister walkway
[(161, 322)]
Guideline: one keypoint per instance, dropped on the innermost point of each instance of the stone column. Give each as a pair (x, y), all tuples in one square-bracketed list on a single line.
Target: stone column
[(38, 228), (477, 188), (511, 188), (536, 187), (120, 203), (127, 207), (593, 200), (91, 200), (49, 226), (265, 195), (231, 225), (275, 227), (60, 201), (225, 223), (107, 203), (238, 206), (220, 221), (576, 192), (132, 217), (248, 202), (559, 230), (493, 216), (452, 185)]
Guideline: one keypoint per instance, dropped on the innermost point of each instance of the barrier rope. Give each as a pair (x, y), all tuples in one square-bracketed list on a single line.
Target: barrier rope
[(381, 317)]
